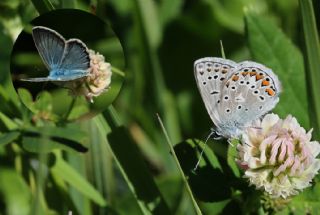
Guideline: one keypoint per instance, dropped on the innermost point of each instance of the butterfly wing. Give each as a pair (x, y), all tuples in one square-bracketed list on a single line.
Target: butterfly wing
[(50, 46), (66, 60), (250, 92), (42, 79), (211, 74), (74, 64), (76, 56)]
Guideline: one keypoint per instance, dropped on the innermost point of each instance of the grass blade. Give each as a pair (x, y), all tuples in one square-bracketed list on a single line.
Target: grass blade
[(313, 59), (196, 207), (136, 172)]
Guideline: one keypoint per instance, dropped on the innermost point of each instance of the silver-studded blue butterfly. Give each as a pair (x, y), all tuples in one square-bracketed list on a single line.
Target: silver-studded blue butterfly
[(66, 60), (235, 94)]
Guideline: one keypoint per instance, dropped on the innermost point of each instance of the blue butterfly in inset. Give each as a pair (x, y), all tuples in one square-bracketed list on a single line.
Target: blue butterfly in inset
[(66, 60)]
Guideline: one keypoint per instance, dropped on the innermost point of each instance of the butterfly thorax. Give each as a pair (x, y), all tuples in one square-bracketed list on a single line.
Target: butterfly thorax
[(229, 130)]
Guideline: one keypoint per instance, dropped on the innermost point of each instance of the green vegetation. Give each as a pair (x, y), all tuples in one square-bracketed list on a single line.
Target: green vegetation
[(121, 161)]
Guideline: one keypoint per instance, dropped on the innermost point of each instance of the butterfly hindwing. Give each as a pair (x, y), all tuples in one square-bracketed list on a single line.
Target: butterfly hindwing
[(211, 74), (76, 56), (250, 92)]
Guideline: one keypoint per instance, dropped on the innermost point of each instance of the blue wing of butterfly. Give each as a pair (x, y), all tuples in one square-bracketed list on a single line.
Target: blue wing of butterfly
[(66, 60)]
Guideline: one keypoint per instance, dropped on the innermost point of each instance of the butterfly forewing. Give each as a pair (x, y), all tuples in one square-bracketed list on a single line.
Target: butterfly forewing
[(211, 75), (250, 92), (50, 46)]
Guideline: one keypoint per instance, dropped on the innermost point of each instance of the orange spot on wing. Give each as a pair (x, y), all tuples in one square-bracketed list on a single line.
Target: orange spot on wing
[(235, 78), (253, 73), (244, 73), (265, 83), (270, 92), (258, 77)]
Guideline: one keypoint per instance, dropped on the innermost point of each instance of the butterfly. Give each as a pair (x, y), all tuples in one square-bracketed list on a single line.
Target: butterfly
[(235, 94), (66, 60)]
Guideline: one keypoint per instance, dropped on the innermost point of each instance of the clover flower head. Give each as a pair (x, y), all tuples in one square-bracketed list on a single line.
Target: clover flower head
[(98, 80), (278, 156)]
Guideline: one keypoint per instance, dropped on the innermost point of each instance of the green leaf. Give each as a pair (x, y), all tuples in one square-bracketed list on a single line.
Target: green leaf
[(210, 171), (168, 10), (230, 13), (7, 122), (44, 102), (148, 16), (8, 105), (136, 173), (64, 171), (9, 137), (270, 46), (308, 200), (313, 57), (15, 192), (232, 154), (26, 99), (48, 138), (43, 6)]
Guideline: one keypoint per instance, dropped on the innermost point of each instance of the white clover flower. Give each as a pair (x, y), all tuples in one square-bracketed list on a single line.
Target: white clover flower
[(278, 156), (98, 80)]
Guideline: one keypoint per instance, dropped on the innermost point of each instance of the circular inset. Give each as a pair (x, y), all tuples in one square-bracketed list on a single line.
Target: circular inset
[(67, 65)]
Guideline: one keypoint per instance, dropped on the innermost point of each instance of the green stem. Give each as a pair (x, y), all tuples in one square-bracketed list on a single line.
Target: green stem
[(65, 118), (118, 71), (196, 207)]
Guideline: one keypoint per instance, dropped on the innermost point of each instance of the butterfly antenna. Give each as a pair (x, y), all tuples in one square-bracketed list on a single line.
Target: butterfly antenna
[(201, 154)]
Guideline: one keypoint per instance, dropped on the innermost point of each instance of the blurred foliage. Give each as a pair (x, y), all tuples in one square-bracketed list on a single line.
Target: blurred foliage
[(119, 162)]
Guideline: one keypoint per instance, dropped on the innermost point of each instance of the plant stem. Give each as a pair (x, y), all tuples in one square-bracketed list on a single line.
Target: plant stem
[(65, 118), (196, 207)]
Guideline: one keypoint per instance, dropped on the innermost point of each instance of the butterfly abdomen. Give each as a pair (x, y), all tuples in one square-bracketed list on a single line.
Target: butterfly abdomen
[(60, 74)]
